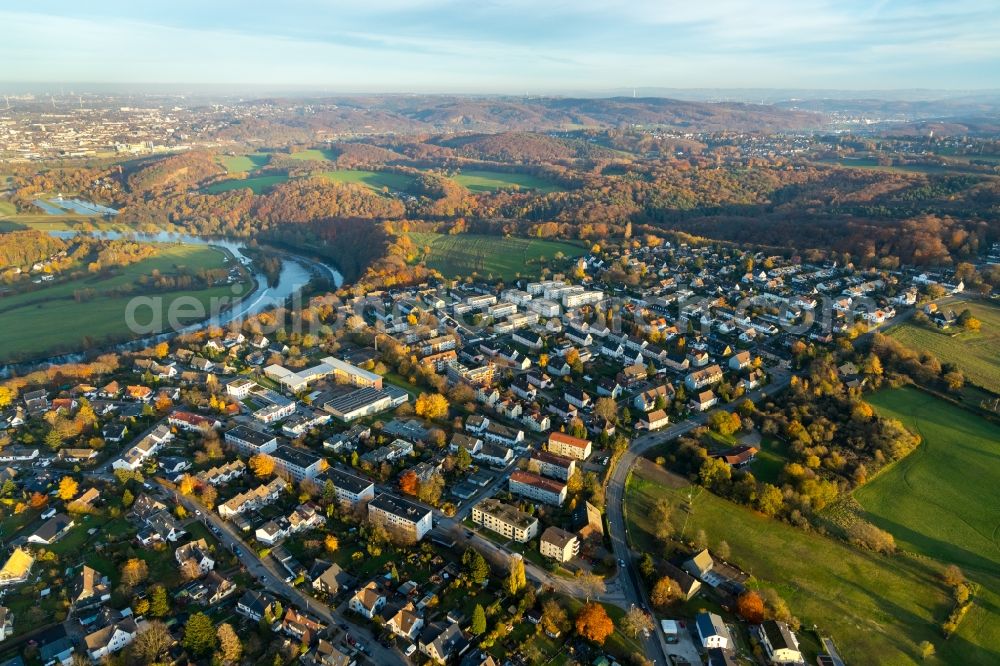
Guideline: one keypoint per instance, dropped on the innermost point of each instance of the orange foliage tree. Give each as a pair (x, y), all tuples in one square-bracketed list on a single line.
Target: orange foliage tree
[(409, 483), (593, 623), (750, 607)]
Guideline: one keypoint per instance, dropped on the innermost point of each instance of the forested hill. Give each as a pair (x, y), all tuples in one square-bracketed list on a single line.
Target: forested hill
[(432, 113)]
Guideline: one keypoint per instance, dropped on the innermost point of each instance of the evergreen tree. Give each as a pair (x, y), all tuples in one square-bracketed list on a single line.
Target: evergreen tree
[(158, 606), (476, 566), (199, 635), (478, 625)]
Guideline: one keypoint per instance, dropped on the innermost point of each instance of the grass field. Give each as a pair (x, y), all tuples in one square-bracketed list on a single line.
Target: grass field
[(504, 258), (977, 355), (259, 184), (375, 180), (7, 208), (942, 500), (871, 164), (44, 222), (770, 461), (314, 155), (491, 181), (37, 322), (244, 163), (877, 609)]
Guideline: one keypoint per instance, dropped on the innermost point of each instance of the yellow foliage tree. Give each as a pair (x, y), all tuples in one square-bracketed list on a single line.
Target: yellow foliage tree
[(331, 543), (187, 484), (431, 406), (68, 488), (262, 465)]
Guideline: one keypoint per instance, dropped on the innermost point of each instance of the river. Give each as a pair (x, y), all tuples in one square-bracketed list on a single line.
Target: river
[(295, 274)]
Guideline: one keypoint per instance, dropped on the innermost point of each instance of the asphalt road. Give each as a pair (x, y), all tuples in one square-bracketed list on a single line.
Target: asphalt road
[(634, 593)]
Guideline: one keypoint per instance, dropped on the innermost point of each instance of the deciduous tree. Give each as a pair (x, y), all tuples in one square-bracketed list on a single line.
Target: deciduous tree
[(230, 647), (262, 465), (664, 592), (635, 622), (408, 482), (554, 618), (68, 488), (750, 607), (431, 406), (134, 571), (606, 408), (152, 641), (593, 623), (158, 604)]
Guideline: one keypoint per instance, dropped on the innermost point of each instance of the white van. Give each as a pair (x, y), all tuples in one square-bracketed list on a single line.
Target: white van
[(670, 630)]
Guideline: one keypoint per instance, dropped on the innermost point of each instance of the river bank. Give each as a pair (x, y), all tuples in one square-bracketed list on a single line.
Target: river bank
[(296, 272)]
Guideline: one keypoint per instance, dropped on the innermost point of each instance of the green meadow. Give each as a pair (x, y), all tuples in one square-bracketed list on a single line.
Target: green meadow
[(977, 354), (259, 184), (877, 608), (505, 258), (313, 155), (376, 180), (491, 181), (51, 319), (244, 163)]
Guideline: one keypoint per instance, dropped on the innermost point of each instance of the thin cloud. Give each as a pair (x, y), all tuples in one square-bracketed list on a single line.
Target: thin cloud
[(512, 45)]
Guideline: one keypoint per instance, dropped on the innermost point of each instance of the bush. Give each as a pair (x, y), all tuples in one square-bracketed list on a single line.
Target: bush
[(865, 535)]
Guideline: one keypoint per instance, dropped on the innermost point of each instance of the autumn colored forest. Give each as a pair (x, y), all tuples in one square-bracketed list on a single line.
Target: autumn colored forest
[(599, 184)]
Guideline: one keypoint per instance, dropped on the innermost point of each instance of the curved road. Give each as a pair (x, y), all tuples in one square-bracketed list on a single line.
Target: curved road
[(634, 593)]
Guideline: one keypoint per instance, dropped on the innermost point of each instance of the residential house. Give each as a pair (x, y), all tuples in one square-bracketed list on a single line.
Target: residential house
[(654, 420), (712, 631), (52, 530), (552, 465), (325, 654), (700, 564), (257, 605), (738, 456), (251, 441), (656, 397), (329, 578), (537, 487), (367, 601), (112, 638), (442, 642), (351, 490), (704, 377), (406, 623), (779, 643), (6, 623), (558, 544), (195, 554), (703, 401), (90, 589), (739, 361)]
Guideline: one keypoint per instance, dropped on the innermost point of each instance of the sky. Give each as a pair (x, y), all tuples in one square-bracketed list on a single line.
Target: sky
[(507, 46)]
